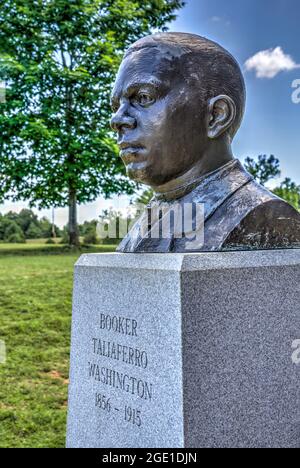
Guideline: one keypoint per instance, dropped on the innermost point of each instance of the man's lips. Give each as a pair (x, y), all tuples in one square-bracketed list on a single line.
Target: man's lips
[(124, 144), (129, 151)]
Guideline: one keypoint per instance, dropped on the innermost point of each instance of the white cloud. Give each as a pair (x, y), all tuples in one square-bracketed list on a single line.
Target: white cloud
[(219, 19), (268, 63), (216, 19)]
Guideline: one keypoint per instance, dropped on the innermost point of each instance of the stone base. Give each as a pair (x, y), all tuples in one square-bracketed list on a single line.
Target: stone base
[(186, 350)]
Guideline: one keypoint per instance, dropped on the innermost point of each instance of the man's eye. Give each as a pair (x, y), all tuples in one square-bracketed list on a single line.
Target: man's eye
[(145, 99)]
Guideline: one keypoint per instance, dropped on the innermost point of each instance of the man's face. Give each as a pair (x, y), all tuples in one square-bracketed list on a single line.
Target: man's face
[(159, 117)]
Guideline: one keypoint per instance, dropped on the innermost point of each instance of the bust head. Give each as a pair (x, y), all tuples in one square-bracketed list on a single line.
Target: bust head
[(178, 101)]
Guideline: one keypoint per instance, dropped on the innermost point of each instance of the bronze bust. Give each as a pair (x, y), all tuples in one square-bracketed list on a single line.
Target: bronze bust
[(178, 102)]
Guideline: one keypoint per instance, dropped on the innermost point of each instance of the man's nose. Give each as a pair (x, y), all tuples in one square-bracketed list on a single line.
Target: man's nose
[(121, 120)]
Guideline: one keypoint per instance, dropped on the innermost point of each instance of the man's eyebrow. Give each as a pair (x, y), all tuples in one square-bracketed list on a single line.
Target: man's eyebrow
[(156, 84), (140, 84)]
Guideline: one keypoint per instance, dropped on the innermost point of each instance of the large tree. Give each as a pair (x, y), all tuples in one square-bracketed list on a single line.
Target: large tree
[(58, 59)]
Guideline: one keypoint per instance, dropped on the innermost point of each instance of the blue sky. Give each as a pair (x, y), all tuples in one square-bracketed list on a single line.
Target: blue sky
[(247, 28)]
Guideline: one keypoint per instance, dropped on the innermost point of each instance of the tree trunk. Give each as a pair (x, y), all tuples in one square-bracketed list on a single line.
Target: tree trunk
[(53, 225), (73, 227)]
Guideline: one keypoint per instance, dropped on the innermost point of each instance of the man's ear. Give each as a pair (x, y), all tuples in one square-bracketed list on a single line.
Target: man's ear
[(221, 115)]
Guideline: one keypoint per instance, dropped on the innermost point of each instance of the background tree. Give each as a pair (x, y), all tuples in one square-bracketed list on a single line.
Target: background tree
[(264, 168), (5, 222), (58, 59), (47, 228), (33, 232), (267, 168), (145, 197), (25, 219), (13, 233), (290, 192), (26, 225)]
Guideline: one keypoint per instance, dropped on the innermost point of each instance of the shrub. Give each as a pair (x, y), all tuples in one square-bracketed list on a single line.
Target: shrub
[(13, 231), (16, 239), (64, 237), (90, 238), (33, 232)]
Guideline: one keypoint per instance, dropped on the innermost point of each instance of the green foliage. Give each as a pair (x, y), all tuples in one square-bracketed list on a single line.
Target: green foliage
[(16, 238), (13, 233), (26, 225), (25, 219), (65, 236), (4, 223), (88, 231), (290, 192), (145, 197), (34, 232), (47, 228), (87, 227), (59, 59), (90, 238), (264, 169)]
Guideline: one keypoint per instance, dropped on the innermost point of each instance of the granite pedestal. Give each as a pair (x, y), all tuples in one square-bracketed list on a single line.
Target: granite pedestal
[(186, 350)]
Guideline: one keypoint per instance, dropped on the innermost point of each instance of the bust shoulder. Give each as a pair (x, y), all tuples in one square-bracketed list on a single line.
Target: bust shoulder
[(270, 223)]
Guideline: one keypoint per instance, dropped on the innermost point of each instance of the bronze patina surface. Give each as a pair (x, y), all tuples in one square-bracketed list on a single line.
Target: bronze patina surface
[(178, 102)]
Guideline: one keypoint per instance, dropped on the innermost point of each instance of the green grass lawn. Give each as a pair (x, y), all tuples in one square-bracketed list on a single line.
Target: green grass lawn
[(35, 319), (41, 248)]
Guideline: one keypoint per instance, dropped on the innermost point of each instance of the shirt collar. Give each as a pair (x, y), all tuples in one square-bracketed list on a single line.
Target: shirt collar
[(212, 189), (176, 189)]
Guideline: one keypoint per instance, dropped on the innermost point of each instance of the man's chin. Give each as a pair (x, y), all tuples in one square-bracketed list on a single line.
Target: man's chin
[(139, 172)]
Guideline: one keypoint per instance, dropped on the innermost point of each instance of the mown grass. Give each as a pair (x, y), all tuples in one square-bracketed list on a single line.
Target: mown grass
[(35, 319), (35, 248)]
